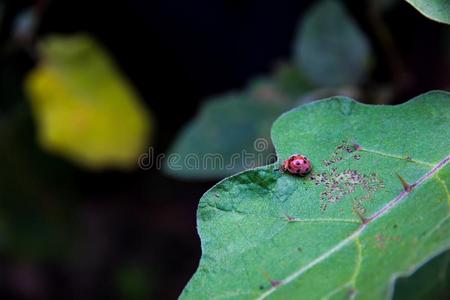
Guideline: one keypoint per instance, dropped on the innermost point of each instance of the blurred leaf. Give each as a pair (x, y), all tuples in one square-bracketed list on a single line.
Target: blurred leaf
[(431, 281), (291, 81), (85, 109), (284, 86), (226, 127), (230, 125), (330, 49), (348, 229), (25, 24), (437, 10), (234, 129)]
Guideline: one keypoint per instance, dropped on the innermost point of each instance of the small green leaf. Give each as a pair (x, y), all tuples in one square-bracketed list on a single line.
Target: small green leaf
[(227, 130), (437, 10), (431, 281), (350, 227), (231, 133), (330, 49), (85, 109), (289, 79)]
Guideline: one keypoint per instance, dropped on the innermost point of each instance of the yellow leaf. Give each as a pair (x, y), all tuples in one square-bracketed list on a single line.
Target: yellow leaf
[(84, 108)]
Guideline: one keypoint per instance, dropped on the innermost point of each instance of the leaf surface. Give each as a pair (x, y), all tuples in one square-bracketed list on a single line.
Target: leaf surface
[(330, 48), (349, 228), (437, 10)]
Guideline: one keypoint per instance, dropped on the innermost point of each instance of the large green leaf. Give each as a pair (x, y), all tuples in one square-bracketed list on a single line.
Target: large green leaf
[(330, 48), (437, 10), (350, 227)]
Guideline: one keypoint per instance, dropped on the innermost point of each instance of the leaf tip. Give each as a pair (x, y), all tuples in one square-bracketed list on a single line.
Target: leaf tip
[(406, 186)]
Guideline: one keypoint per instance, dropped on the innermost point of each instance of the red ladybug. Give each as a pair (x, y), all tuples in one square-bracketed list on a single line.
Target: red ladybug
[(297, 164)]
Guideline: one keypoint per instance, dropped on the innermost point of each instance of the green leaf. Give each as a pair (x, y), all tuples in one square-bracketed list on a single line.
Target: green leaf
[(329, 47), (350, 227), (227, 129), (431, 281), (235, 127), (437, 10), (85, 109), (291, 81)]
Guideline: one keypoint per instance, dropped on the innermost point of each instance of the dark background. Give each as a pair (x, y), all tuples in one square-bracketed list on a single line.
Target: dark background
[(113, 235)]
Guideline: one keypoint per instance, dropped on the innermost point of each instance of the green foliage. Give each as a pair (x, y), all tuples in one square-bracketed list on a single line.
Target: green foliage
[(437, 10), (244, 121), (85, 109), (431, 281), (234, 124), (329, 51), (350, 227), (290, 80), (330, 48)]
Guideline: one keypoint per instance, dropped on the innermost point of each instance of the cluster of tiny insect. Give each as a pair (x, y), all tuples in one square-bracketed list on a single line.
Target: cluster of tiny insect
[(340, 151), (338, 184)]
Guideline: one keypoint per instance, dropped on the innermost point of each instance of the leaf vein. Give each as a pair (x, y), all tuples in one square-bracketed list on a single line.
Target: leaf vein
[(395, 156), (442, 182), (355, 235)]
